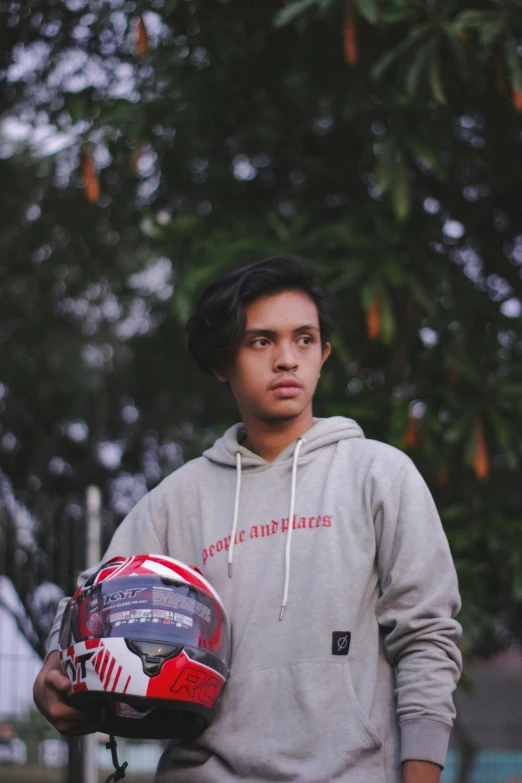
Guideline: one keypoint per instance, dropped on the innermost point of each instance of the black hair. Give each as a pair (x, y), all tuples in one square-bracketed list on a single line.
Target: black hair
[(217, 326)]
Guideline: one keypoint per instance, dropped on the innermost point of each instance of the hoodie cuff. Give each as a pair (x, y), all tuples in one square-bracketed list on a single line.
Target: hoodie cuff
[(424, 740), (52, 644)]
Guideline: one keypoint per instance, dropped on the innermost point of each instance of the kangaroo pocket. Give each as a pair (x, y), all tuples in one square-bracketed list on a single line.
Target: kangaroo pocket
[(300, 722)]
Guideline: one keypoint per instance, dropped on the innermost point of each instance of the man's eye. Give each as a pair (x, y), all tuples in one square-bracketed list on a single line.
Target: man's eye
[(261, 341), (305, 340)]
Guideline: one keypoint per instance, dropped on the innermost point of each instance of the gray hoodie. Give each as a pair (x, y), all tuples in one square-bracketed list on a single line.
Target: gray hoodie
[(358, 674)]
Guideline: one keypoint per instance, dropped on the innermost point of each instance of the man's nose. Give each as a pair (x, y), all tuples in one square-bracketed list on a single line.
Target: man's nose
[(286, 357)]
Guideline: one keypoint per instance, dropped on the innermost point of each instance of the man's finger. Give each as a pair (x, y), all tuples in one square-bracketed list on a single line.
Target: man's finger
[(59, 710), (70, 729), (58, 681)]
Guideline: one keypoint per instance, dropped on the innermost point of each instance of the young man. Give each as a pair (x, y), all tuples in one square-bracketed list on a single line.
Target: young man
[(327, 551)]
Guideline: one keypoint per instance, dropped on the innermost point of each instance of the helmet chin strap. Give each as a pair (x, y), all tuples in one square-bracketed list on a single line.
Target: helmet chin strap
[(119, 773)]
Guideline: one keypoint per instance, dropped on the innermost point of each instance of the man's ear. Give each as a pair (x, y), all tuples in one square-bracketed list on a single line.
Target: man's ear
[(220, 374), (327, 350)]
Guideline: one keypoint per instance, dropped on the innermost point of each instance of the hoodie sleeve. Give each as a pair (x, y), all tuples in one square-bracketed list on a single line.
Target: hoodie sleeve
[(416, 609), (135, 534)]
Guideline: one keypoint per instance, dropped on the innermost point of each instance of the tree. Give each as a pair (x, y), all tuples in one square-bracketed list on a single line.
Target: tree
[(147, 146)]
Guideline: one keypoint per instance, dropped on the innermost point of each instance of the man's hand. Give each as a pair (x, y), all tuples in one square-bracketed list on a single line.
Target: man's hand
[(420, 772), (50, 692)]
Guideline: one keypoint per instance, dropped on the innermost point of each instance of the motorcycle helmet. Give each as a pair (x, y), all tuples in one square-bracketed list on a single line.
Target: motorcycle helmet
[(148, 639)]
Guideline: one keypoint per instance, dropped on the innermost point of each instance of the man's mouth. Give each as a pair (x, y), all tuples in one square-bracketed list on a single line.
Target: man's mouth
[(286, 388)]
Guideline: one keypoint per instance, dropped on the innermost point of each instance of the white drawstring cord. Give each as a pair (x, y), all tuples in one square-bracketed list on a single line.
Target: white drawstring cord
[(288, 545), (236, 513), (298, 445)]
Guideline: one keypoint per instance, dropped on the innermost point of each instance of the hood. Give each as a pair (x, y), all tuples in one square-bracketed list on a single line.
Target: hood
[(322, 433)]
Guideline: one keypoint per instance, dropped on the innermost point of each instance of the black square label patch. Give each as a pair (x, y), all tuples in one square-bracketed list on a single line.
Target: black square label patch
[(341, 642)]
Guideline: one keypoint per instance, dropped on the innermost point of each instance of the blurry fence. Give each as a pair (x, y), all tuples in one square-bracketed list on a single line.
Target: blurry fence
[(40, 755)]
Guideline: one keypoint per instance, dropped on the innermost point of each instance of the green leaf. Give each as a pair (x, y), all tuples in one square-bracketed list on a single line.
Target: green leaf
[(455, 432), (394, 272), (380, 68), (502, 429), (370, 290), (280, 228), (489, 24), (424, 299), (351, 271), (387, 164), (422, 151), (491, 30), (397, 15), (417, 67), (368, 9), (182, 306), (474, 19), (324, 5), (401, 194), (287, 15), (437, 89)]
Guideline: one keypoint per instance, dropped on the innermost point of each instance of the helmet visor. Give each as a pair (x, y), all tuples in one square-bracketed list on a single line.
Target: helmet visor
[(153, 609)]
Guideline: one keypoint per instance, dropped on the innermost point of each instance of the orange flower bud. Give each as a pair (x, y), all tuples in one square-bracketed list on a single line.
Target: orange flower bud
[(373, 319), (350, 36), (142, 40), (411, 433), (517, 99), (91, 184), (480, 458)]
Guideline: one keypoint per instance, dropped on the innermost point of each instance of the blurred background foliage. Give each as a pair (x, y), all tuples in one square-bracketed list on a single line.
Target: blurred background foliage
[(147, 146)]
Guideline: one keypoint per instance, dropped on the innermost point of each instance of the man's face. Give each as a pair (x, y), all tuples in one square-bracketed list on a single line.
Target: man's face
[(277, 365)]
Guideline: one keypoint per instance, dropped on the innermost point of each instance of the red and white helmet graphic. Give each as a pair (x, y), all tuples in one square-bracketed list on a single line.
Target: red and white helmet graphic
[(148, 638)]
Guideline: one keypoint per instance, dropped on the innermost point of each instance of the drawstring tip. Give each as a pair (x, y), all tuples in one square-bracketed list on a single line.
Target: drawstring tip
[(282, 611), (230, 570)]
